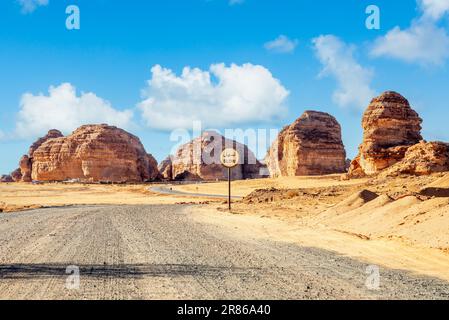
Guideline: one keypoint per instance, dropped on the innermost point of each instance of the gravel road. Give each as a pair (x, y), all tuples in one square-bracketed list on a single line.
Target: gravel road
[(160, 252)]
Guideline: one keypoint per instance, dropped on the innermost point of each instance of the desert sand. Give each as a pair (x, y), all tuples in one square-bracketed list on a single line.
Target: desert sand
[(245, 187), (386, 221), (23, 196), (164, 252)]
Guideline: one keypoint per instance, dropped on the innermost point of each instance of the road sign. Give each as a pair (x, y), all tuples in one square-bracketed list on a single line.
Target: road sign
[(229, 159)]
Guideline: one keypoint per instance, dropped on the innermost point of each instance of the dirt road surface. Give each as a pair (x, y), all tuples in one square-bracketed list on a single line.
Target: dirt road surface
[(160, 252)]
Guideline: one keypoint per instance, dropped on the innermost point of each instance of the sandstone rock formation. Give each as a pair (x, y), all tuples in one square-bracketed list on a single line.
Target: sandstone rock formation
[(390, 127), (423, 158), (52, 134), (25, 168), (23, 173), (165, 168), (6, 178), (16, 175), (153, 167), (92, 153), (312, 145), (200, 160)]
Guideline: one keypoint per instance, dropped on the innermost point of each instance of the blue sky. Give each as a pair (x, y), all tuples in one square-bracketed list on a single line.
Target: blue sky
[(281, 57)]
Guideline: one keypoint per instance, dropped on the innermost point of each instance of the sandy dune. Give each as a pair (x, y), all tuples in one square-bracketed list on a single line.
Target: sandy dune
[(384, 252)]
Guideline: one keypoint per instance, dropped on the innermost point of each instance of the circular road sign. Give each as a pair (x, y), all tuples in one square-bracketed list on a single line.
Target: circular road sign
[(229, 158)]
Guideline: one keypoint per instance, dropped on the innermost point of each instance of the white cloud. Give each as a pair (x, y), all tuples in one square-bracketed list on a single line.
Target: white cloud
[(63, 109), (424, 42), (29, 6), (338, 61), (219, 97), (282, 44), (434, 9)]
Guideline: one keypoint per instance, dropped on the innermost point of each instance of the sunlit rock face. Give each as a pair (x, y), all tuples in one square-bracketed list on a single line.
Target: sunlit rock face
[(312, 145), (165, 168), (200, 160), (23, 173), (423, 158), (93, 153), (390, 127)]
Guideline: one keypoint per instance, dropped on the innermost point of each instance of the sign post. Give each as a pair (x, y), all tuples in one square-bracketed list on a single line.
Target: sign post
[(229, 159)]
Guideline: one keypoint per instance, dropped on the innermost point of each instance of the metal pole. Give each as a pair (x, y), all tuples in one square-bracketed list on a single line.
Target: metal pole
[(229, 189)]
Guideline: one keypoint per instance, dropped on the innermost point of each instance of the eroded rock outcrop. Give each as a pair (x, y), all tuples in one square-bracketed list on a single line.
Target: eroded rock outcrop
[(165, 168), (16, 175), (92, 153), (390, 127), (6, 178), (25, 168), (200, 160), (312, 145), (153, 168), (52, 134), (23, 173), (423, 158)]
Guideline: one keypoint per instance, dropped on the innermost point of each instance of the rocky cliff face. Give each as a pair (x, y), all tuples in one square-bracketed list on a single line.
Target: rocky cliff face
[(312, 145), (200, 160), (152, 168), (52, 134), (25, 168), (92, 153), (23, 173), (165, 168), (390, 127), (16, 175), (423, 158)]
